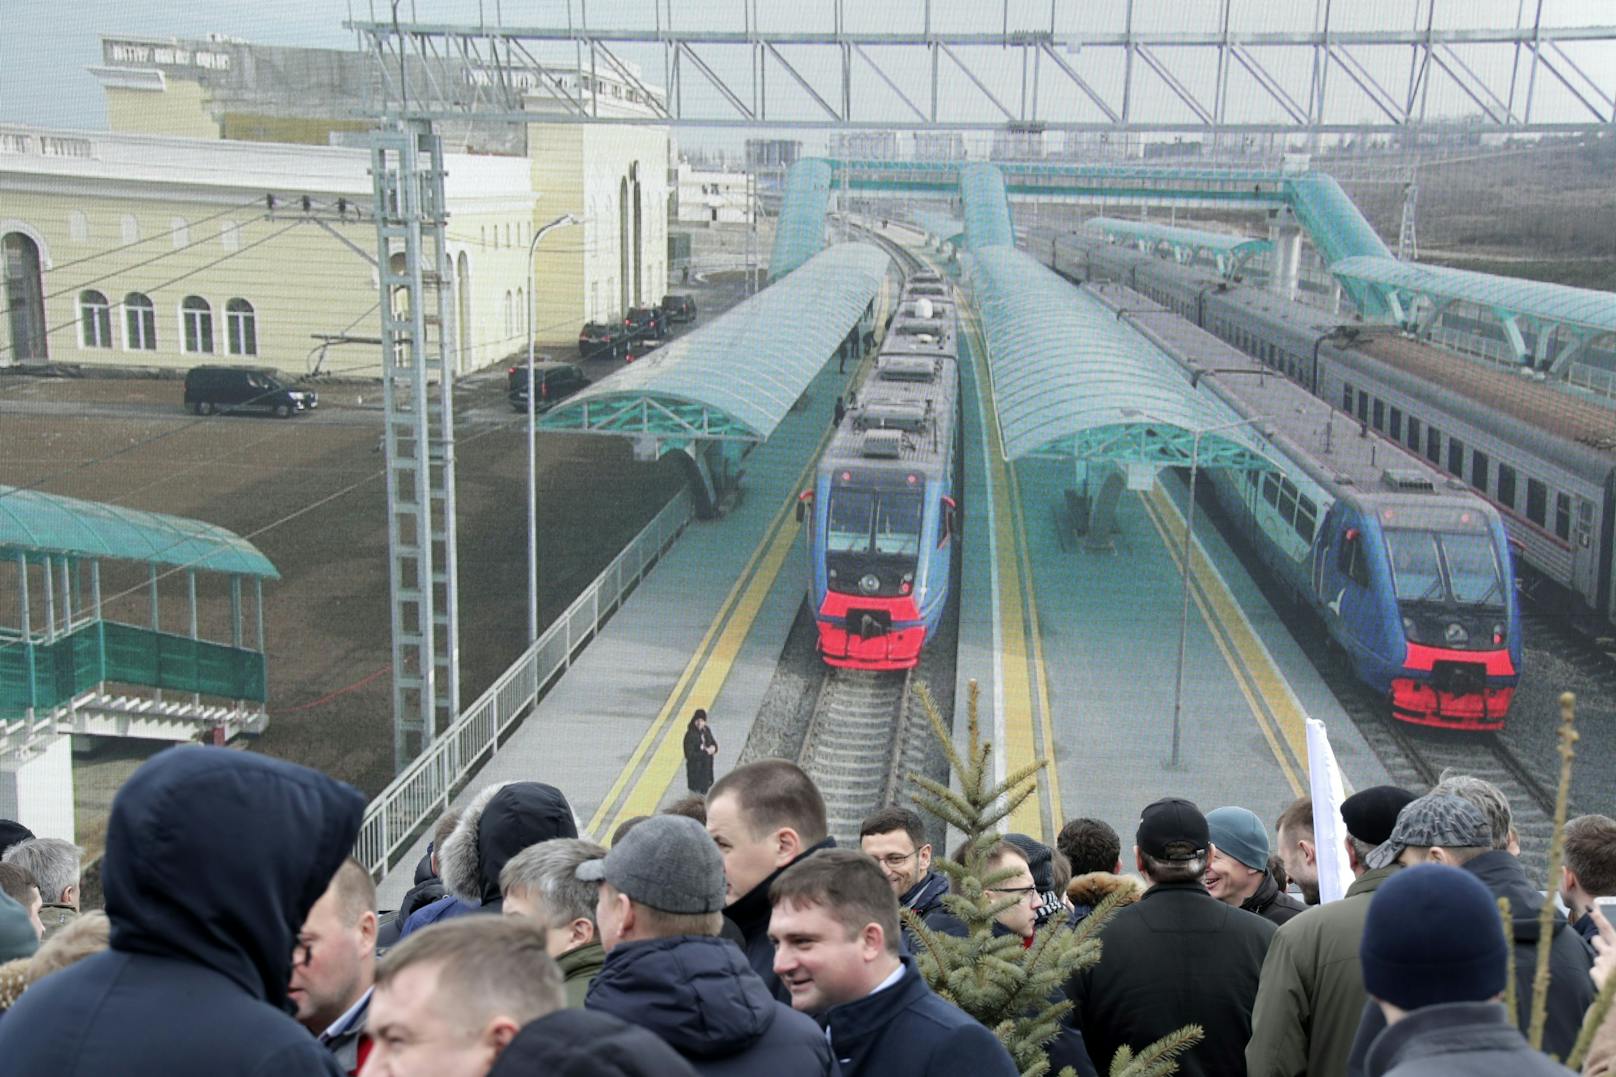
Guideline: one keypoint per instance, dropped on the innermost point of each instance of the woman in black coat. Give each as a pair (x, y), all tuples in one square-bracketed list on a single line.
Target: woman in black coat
[(700, 747)]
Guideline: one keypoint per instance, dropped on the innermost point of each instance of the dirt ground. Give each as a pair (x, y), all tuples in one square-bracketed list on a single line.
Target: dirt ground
[(310, 494)]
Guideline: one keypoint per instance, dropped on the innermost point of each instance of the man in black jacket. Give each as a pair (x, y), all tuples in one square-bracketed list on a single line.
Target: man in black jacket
[(583, 1043), (835, 930), (666, 969), (1237, 871), (896, 838), (213, 860), (763, 817), (1175, 957)]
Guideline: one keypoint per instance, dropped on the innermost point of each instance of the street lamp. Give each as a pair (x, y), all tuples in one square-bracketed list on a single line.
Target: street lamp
[(1184, 566), (532, 450)]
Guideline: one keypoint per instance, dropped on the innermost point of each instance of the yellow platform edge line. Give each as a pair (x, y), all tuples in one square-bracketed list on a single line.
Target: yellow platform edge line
[(1057, 811)]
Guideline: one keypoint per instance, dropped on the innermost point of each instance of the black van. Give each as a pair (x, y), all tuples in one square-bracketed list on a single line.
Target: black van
[(679, 308), (244, 388), (557, 381)]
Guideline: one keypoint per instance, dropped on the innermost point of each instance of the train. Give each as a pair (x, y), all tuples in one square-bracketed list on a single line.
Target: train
[(1409, 571), (1543, 457), (883, 514)]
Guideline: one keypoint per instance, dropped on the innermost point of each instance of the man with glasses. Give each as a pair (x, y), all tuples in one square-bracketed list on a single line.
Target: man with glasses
[(334, 965), (1020, 919), (896, 838)]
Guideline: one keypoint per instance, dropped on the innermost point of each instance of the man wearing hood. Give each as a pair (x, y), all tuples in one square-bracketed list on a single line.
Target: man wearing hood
[(659, 912), (213, 860), (500, 822), (764, 817), (896, 838)]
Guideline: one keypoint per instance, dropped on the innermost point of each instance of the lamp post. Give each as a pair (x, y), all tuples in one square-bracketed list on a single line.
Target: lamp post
[(532, 449), (1184, 566)]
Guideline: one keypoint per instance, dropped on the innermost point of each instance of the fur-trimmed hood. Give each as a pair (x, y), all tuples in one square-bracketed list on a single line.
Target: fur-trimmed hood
[(1087, 891), (500, 822)]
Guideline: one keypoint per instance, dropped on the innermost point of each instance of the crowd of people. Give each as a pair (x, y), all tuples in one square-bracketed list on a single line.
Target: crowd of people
[(730, 935)]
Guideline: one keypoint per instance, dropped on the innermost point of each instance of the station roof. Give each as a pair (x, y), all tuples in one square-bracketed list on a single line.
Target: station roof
[(986, 206), (1070, 378), (800, 232), (1217, 245), (36, 523), (1584, 309), (940, 225), (734, 378)]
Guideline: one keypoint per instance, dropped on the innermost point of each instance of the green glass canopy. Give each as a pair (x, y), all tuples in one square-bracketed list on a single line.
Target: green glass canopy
[(1226, 250), (800, 232)]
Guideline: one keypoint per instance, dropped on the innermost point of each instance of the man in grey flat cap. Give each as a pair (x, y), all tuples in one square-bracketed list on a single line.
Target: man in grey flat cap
[(660, 911), (1450, 830)]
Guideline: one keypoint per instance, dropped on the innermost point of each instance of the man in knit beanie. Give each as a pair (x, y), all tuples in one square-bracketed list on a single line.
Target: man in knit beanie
[(1237, 869), (1435, 962)]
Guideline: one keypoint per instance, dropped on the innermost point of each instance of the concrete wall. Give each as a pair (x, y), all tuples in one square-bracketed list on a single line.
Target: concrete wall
[(179, 109)]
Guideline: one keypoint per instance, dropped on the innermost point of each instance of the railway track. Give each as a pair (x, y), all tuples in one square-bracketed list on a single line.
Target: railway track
[(854, 744)]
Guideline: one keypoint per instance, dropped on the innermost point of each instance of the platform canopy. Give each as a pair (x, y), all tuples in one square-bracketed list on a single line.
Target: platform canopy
[(38, 524), (1225, 250), (986, 207), (1417, 294), (800, 232), (1071, 379), (734, 378), (940, 226)]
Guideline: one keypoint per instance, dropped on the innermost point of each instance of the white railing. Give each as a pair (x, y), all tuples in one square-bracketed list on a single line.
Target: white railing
[(421, 791)]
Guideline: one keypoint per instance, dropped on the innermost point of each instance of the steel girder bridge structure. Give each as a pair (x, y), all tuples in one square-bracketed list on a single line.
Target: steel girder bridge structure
[(1129, 69)]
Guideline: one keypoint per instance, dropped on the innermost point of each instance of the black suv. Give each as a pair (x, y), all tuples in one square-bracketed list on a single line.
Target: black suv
[(244, 388), (603, 340), (557, 381), (679, 308), (643, 322)]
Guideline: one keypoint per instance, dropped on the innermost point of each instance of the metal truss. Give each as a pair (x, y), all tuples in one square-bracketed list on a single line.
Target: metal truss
[(1529, 76)]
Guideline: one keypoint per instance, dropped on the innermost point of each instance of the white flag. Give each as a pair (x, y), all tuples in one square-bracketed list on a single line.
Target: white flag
[(1329, 832)]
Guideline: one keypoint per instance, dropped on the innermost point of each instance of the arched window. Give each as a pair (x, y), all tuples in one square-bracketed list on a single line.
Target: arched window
[(95, 320), (510, 331), (139, 323), (241, 327), (78, 226), (197, 318), (180, 229), (129, 229), (230, 235), (20, 268)]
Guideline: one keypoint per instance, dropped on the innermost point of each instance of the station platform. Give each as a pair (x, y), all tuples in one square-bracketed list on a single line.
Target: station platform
[(704, 629)]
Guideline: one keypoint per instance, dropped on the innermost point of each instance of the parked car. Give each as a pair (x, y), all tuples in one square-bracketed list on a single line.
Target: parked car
[(679, 308), (556, 381), (603, 340), (646, 322), (244, 388)]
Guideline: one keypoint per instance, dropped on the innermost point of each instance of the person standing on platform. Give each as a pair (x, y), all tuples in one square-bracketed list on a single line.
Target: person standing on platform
[(700, 747)]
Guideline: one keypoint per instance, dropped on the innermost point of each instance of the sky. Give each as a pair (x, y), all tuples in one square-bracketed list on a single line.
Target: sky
[(43, 55)]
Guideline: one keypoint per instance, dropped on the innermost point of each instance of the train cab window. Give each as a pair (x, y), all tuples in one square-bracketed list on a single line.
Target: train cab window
[(1506, 486), (1456, 457), (1413, 433), (897, 525), (1433, 445), (1537, 502), (1347, 397), (1363, 406), (847, 521), (1394, 426), (1562, 516), (1354, 565), (1478, 470), (1378, 416)]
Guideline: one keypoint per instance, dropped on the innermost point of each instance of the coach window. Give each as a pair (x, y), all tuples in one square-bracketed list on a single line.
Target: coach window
[(1363, 406), (1433, 445), (1413, 433), (1395, 426), (1346, 397), (1537, 502), (1478, 470), (1506, 486), (95, 320), (1562, 516), (139, 323), (1456, 457), (1378, 415), (197, 317), (241, 325)]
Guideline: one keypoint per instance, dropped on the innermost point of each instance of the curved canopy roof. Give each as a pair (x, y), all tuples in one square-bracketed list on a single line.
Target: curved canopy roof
[(1577, 308), (1071, 379), (986, 207), (800, 232), (1220, 246), (940, 226), (36, 523), (735, 378)]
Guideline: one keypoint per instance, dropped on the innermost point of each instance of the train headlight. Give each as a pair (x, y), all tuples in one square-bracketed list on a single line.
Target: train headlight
[(1408, 624), (1498, 634), (869, 583), (1455, 633)]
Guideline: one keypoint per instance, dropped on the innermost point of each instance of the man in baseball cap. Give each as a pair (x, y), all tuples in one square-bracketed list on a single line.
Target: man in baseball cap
[(1312, 994), (660, 911), (1175, 957)]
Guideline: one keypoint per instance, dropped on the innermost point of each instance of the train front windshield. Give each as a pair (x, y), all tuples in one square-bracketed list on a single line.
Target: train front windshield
[(1450, 586), (875, 535)]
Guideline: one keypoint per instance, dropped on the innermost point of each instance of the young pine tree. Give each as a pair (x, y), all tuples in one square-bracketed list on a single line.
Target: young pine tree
[(1016, 991)]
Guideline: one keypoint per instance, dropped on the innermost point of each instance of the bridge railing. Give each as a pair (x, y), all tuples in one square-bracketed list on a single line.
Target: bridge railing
[(422, 790)]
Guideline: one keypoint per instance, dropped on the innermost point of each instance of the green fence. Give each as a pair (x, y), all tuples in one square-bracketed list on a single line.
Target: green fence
[(123, 654)]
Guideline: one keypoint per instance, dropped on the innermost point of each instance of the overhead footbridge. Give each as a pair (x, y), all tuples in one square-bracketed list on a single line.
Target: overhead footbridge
[(1226, 251), (711, 394)]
